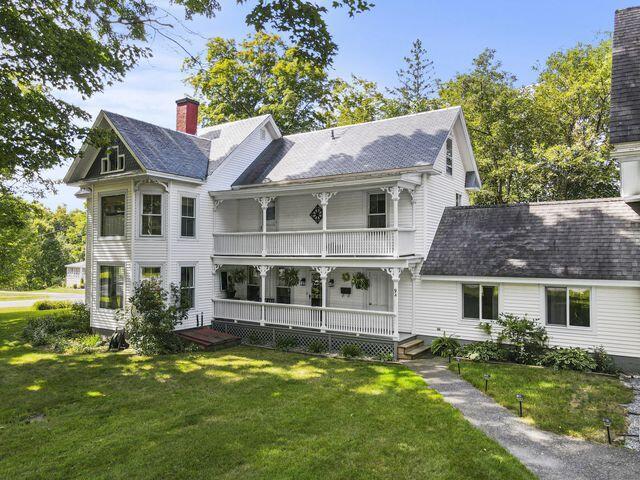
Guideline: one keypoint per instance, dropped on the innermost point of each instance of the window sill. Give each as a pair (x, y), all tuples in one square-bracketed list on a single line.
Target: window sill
[(565, 328), (113, 237)]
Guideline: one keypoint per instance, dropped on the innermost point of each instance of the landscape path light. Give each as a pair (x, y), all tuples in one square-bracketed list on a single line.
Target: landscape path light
[(520, 397), (486, 377), (458, 360), (607, 424)]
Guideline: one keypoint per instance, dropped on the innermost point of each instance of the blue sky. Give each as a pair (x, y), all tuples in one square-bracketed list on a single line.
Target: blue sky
[(372, 46)]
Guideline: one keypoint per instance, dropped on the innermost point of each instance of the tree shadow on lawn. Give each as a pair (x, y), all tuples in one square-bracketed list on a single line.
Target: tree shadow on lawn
[(242, 412)]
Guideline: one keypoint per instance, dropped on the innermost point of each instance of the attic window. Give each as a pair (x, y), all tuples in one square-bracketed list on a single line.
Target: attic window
[(113, 161), (449, 156)]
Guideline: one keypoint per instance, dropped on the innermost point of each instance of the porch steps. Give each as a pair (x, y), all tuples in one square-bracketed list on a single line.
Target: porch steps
[(209, 339), (412, 348)]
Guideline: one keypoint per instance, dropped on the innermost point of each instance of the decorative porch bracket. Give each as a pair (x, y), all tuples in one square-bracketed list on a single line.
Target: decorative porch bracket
[(264, 204), (324, 198), (324, 273), (394, 273), (262, 270)]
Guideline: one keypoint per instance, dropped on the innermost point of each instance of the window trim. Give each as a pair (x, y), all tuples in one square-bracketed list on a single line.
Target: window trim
[(105, 160), (498, 286), (368, 209), (116, 193), (458, 199), (448, 156), (568, 306), (196, 209), (142, 214), (99, 286), (195, 275)]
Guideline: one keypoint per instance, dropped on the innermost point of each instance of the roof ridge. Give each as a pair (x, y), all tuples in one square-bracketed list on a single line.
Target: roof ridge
[(106, 112), (535, 204), (374, 121), (220, 125)]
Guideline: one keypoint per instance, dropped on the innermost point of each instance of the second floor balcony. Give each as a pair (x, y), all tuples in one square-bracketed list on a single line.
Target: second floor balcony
[(372, 221)]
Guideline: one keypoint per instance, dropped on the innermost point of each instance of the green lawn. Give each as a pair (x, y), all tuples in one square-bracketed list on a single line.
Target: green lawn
[(566, 402), (238, 413)]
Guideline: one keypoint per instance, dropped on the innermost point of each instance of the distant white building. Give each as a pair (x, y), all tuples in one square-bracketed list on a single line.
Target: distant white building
[(75, 275)]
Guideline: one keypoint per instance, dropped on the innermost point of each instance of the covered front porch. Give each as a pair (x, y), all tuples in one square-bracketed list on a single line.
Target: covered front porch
[(345, 299)]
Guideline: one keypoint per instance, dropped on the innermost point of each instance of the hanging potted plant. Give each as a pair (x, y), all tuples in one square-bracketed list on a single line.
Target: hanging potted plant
[(360, 281), (288, 277), (346, 277)]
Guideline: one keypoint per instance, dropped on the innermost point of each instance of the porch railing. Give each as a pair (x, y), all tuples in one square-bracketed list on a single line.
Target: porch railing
[(374, 242), (343, 320)]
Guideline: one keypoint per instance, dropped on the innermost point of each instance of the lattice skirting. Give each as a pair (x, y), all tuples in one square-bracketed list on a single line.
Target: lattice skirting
[(333, 342)]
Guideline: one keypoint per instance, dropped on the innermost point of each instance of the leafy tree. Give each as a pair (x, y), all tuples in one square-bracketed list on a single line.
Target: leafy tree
[(47, 47), (571, 103), (260, 75), (416, 84), (498, 117), (354, 102), (15, 233)]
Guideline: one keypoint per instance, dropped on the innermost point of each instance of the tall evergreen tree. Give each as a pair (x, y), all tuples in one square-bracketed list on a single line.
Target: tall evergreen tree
[(416, 84)]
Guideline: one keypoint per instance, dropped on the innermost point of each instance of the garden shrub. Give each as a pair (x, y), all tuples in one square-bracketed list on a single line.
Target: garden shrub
[(526, 338), (385, 357), (286, 343), (64, 323), (486, 351), (571, 358), (604, 363), (87, 343), (152, 318), (316, 347), (51, 304), (351, 350), (445, 346)]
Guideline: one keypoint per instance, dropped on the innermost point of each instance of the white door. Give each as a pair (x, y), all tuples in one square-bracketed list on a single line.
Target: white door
[(379, 291)]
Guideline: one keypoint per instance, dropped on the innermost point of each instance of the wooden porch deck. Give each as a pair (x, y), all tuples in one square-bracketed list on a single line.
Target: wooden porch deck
[(209, 339)]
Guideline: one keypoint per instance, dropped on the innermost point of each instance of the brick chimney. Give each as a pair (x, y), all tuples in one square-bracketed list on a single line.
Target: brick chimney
[(187, 115)]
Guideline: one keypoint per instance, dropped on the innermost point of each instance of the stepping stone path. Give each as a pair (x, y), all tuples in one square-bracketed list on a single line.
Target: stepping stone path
[(631, 440)]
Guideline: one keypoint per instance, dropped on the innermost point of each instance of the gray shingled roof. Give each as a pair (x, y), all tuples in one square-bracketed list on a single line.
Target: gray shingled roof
[(587, 239), (401, 142), (625, 77), (164, 150)]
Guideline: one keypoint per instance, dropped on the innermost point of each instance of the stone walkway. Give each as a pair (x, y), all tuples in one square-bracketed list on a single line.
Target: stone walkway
[(632, 440), (546, 454)]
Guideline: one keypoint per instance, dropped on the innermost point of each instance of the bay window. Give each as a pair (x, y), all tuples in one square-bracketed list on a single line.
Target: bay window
[(568, 306), (111, 287), (112, 210), (151, 220), (480, 301)]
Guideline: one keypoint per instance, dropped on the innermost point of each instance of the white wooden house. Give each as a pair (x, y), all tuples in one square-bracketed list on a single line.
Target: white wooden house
[(266, 233), (75, 276)]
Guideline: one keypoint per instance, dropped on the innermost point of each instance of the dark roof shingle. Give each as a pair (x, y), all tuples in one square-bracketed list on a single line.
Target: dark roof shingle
[(164, 150), (586, 239), (625, 77), (395, 143)]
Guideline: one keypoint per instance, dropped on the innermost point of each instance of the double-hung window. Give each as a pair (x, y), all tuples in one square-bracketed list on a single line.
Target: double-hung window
[(188, 217), (151, 215), (113, 161), (377, 217), (112, 209), (111, 287), (188, 286), (449, 156), (480, 301), (568, 306)]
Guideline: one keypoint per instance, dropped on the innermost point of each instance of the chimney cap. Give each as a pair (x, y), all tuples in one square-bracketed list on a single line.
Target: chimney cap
[(184, 100)]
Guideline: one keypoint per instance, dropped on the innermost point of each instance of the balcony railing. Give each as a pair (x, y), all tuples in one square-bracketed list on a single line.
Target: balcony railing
[(343, 320), (373, 242)]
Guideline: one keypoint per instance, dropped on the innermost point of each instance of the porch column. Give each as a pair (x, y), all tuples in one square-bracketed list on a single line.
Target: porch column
[(394, 272), (264, 204), (214, 270), (324, 198), (262, 270), (394, 192), (324, 272), (216, 204), (415, 277)]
